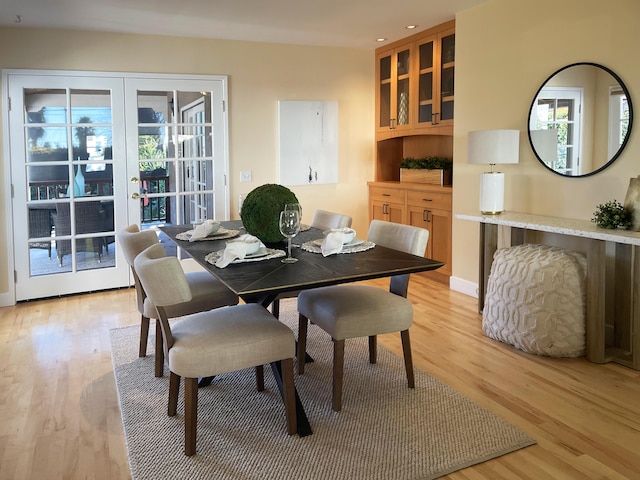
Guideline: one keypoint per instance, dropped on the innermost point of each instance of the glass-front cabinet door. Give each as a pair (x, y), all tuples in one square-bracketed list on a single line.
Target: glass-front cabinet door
[(436, 63), (394, 112)]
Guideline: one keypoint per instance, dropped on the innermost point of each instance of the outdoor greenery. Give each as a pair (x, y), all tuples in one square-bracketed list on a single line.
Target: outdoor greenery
[(611, 215), (261, 211), (427, 163)]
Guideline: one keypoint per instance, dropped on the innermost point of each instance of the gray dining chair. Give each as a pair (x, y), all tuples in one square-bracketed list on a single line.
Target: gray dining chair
[(213, 342), (353, 311), (207, 291), (324, 220)]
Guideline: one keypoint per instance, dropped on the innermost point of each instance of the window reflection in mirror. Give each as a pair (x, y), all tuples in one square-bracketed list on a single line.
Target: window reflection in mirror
[(580, 120)]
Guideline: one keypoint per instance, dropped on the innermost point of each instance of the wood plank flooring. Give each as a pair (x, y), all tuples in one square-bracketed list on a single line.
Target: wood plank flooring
[(61, 418)]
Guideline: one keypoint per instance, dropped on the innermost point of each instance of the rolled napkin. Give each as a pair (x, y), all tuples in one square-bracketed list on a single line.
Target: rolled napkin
[(206, 228), (239, 249)]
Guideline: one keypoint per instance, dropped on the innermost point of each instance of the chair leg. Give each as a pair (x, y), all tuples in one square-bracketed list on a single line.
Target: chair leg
[(288, 390), (373, 349), (302, 342), (260, 377), (338, 374), (190, 415), (408, 360), (144, 336), (275, 308), (174, 390), (159, 351)]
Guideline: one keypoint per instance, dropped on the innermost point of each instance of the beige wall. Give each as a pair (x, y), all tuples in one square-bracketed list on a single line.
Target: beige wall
[(505, 49), (259, 76)]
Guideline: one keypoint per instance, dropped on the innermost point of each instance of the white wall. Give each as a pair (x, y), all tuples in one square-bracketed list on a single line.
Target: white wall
[(505, 49)]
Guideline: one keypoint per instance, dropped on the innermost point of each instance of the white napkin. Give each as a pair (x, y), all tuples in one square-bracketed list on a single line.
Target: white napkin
[(332, 243), (205, 229), (237, 249)]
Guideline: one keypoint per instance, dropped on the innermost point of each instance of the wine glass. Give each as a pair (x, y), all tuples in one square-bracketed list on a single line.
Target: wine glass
[(298, 208), (289, 224)]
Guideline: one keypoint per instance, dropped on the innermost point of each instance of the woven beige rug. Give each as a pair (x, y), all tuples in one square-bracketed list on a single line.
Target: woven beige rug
[(385, 430)]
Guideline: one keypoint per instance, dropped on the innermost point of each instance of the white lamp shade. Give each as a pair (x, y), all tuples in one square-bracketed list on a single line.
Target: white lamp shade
[(493, 146)]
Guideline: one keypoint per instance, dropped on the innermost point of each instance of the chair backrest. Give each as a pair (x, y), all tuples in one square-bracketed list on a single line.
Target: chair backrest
[(325, 220), (132, 242), (164, 282), (406, 238)]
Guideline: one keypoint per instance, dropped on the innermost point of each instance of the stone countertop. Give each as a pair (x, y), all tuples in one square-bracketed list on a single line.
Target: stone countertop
[(566, 226)]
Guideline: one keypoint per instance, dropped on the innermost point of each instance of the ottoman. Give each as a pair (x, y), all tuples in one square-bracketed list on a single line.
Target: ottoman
[(535, 300)]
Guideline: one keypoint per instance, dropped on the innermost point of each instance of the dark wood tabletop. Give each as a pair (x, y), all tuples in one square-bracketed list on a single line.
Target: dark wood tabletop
[(263, 281)]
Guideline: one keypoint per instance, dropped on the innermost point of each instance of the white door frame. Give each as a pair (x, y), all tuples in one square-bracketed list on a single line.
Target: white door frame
[(126, 213)]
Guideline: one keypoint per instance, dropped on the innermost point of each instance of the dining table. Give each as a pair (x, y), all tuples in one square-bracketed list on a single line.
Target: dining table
[(263, 281)]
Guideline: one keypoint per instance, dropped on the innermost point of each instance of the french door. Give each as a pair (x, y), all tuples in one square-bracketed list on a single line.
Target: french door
[(92, 153)]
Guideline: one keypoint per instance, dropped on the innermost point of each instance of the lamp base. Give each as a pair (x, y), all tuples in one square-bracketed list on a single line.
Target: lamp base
[(492, 193)]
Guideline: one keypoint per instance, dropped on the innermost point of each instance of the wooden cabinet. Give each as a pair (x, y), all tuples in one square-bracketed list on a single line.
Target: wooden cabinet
[(387, 204), (414, 84), (421, 205)]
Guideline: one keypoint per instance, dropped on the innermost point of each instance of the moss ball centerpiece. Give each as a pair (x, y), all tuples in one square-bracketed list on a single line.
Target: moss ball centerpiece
[(261, 211)]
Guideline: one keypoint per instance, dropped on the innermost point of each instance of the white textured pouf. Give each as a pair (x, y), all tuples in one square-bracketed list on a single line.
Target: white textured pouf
[(535, 300)]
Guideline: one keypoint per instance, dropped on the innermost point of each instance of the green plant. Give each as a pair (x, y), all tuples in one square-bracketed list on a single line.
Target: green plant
[(426, 163), (611, 214), (261, 211)]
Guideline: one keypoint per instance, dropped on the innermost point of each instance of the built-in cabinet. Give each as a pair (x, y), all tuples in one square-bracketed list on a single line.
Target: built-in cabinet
[(415, 84), (414, 118), (426, 206)]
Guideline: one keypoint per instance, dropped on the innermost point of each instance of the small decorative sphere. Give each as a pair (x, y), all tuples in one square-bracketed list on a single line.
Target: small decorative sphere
[(261, 209)]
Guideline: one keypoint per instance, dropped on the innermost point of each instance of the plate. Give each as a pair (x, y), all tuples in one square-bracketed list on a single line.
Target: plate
[(261, 252), (352, 243), (218, 233)]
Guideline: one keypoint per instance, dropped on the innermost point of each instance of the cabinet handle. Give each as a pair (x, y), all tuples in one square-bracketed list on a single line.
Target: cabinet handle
[(385, 209), (392, 124), (427, 200), (435, 118), (426, 215), (386, 194)]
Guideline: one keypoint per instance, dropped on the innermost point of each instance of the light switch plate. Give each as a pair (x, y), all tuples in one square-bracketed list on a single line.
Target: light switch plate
[(245, 176)]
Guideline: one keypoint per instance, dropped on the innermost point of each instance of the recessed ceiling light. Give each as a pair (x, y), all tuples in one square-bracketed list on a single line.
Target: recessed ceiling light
[(380, 39), (410, 27)]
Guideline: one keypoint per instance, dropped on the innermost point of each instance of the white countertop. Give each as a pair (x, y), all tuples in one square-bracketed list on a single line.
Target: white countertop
[(566, 226)]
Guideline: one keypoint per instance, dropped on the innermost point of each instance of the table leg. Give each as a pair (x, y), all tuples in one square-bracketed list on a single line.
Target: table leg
[(304, 428)]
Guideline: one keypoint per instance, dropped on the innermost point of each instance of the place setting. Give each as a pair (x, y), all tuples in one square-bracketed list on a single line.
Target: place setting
[(207, 230), (337, 240)]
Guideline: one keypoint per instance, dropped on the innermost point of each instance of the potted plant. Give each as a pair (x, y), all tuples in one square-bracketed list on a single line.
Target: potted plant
[(432, 170), (261, 211), (611, 215)]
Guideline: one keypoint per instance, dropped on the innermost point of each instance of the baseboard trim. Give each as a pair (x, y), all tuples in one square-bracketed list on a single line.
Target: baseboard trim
[(464, 286)]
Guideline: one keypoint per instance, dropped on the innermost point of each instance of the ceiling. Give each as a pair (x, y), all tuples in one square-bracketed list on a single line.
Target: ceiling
[(340, 23)]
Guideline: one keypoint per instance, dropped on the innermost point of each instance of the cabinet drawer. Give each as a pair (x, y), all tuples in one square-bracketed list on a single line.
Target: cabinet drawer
[(390, 195), (441, 201)]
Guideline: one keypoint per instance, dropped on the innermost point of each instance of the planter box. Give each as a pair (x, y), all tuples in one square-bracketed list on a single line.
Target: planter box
[(433, 177)]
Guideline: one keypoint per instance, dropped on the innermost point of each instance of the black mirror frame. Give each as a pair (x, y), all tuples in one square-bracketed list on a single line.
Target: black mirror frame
[(622, 146)]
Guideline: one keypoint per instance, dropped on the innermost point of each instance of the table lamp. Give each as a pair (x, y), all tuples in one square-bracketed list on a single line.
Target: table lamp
[(492, 147)]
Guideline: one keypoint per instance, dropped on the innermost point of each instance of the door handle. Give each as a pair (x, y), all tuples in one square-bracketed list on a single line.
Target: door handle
[(135, 179), (136, 195)]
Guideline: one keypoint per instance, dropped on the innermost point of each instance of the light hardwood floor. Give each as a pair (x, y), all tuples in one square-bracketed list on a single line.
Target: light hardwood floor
[(61, 417)]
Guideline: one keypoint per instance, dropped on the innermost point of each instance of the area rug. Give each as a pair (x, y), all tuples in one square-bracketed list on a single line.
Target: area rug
[(384, 431)]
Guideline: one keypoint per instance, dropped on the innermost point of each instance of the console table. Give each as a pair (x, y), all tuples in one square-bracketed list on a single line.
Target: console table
[(613, 275)]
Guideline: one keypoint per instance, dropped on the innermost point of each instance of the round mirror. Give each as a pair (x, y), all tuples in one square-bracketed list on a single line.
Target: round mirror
[(580, 120)]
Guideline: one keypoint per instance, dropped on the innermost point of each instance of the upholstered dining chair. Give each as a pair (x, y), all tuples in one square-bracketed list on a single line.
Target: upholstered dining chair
[(352, 311), (324, 220), (214, 342), (207, 292)]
